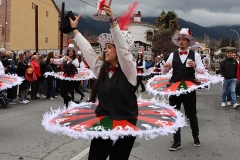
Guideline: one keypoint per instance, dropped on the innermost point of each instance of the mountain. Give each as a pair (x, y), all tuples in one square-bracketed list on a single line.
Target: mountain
[(87, 24)]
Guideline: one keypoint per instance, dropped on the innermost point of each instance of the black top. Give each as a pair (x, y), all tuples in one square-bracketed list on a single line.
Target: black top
[(180, 71), (69, 69), (228, 68), (110, 102), (139, 63)]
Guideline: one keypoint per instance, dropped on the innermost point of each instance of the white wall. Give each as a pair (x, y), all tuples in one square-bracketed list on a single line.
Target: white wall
[(139, 32)]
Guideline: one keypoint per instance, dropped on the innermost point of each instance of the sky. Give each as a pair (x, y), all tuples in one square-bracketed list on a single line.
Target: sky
[(202, 12)]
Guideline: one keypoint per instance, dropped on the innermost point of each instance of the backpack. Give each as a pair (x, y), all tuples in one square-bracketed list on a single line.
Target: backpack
[(3, 99)]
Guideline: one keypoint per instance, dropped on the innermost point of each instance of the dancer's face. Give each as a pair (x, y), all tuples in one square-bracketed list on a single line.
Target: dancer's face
[(183, 43), (70, 53), (110, 54)]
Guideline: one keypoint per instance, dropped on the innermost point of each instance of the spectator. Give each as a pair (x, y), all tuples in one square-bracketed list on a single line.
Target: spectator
[(24, 86), (35, 84), (229, 72)]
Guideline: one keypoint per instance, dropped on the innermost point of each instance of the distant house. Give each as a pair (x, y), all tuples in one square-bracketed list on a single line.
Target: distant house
[(143, 34), (224, 50), (17, 21)]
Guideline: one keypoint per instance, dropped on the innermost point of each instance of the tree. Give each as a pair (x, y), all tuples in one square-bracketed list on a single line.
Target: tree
[(162, 42), (223, 42), (168, 20), (233, 42), (227, 41)]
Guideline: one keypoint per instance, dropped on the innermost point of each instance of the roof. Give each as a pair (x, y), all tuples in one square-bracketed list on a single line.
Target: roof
[(55, 6), (144, 23)]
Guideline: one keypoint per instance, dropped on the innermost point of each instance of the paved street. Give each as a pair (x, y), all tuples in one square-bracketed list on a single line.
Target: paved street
[(21, 134)]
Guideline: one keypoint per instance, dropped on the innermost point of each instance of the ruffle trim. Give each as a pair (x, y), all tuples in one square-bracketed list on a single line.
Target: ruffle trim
[(212, 79), (149, 133), (56, 75), (6, 86)]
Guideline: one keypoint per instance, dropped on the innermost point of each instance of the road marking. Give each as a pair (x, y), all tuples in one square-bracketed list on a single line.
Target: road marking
[(81, 155)]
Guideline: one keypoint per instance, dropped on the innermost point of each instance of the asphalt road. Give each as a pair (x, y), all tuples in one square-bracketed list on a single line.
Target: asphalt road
[(21, 134)]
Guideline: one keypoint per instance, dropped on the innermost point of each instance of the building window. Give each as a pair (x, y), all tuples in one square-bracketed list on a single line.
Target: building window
[(46, 39), (149, 36), (33, 5), (47, 13)]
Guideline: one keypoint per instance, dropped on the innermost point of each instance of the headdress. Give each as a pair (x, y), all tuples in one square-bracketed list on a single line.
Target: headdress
[(71, 47), (184, 33), (124, 20)]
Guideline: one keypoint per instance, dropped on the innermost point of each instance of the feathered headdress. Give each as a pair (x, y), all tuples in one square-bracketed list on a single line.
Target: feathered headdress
[(124, 20)]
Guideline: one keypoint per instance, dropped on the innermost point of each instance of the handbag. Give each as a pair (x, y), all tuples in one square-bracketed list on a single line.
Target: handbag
[(29, 70), (30, 77)]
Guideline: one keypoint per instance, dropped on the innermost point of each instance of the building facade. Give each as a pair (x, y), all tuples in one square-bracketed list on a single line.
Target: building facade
[(142, 33), (17, 21)]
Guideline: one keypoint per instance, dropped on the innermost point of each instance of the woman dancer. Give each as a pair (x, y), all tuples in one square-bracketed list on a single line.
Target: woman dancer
[(70, 64), (115, 87)]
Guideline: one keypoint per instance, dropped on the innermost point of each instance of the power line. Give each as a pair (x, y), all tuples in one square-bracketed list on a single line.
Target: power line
[(88, 3)]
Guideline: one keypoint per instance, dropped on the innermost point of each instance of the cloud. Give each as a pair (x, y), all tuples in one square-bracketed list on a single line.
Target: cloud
[(202, 12)]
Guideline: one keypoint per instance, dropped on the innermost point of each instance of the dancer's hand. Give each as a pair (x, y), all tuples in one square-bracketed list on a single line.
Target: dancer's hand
[(167, 64), (74, 23), (107, 8)]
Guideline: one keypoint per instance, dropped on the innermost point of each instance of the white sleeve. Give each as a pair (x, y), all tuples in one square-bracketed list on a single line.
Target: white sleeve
[(2, 71), (58, 61), (89, 54), (125, 58), (82, 66), (199, 65), (75, 62)]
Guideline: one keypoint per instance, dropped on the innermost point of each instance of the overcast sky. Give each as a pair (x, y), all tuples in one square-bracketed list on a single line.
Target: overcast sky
[(202, 12)]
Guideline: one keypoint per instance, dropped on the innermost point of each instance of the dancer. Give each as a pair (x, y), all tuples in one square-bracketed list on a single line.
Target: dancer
[(115, 87), (70, 63), (184, 63), (140, 65)]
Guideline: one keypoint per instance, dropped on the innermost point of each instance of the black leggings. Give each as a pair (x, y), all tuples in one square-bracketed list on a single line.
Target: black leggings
[(100, 148), (66, 86), (76, 88)]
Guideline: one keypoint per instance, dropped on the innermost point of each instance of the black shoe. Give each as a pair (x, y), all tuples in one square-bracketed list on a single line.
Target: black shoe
[(175, 146), (143, 90), (85, 91), (196, 142)]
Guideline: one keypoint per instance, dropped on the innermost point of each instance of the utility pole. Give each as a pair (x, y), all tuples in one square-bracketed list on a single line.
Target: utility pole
[(5, 26), (36, 28), (61, 33)]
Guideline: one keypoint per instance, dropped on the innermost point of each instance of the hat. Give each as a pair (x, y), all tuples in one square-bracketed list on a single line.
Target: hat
[(101, 14), (184, 33), (65, 26), (106, 38), (79, 53), (70, 47), (228, 50)]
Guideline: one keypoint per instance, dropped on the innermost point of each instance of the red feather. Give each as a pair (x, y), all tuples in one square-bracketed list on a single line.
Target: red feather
[(124, 20), (189, 32), (101, 5)]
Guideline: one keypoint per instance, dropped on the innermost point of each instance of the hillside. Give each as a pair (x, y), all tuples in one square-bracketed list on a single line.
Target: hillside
[(217, 32)]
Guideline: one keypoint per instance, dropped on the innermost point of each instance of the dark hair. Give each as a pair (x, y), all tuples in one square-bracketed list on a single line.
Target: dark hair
[(74, 55), (48, 60), (138, 57), (101, 77)]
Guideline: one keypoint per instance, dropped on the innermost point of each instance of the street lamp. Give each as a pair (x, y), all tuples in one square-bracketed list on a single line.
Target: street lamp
[(238, 39)]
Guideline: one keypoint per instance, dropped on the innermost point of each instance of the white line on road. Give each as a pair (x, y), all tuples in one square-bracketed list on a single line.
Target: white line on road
[(81, 155)]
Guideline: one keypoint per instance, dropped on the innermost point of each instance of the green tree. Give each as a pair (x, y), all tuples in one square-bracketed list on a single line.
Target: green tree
[(233, 42), (162, 42), (167, 20), (227, 41), (223, 42)]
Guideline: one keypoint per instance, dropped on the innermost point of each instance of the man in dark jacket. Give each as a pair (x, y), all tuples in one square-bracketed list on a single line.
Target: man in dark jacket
[(229, 72)]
